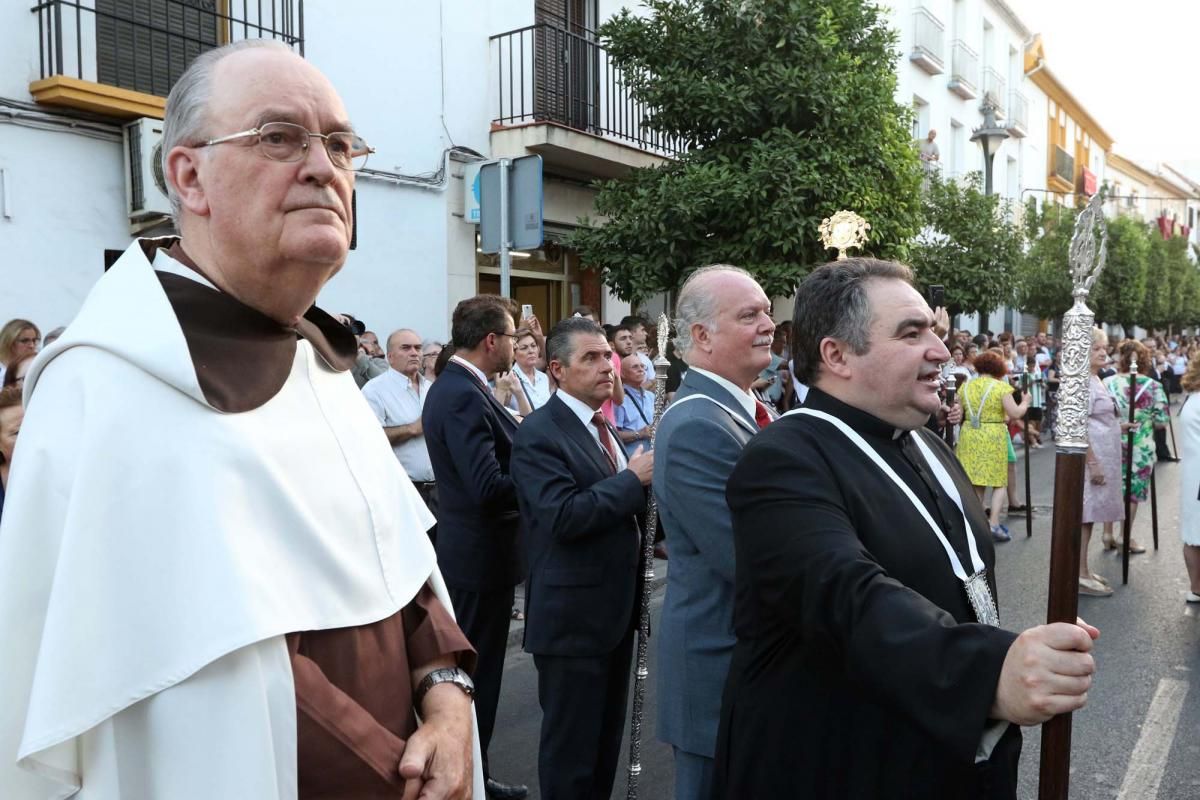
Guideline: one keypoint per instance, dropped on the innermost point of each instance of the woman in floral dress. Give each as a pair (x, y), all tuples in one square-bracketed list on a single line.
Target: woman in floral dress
[(1150, 412)]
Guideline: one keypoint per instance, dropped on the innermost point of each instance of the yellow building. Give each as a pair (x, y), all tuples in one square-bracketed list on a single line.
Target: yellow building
[(1076, 145)]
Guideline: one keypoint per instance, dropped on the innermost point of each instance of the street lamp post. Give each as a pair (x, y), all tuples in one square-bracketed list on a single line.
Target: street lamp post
[(990, 136)]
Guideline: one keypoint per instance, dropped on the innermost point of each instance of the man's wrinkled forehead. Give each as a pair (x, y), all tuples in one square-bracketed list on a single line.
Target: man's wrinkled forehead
[(255, 86)]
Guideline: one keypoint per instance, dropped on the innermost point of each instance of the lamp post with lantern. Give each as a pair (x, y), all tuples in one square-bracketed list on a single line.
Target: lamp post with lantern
[(990, 136)]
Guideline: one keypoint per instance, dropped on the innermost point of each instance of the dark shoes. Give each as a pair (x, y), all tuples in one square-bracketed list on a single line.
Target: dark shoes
[(660, 551), (504, 791)]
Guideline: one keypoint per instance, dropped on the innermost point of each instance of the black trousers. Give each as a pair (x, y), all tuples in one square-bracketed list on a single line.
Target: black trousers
[(428, 492), (484, 618), (583, 717)]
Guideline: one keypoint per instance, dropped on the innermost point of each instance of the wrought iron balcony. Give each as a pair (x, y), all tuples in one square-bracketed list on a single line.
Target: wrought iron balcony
[(1018, 115), (143, 46), (549, 74), (964, 70), (928, 33), (1064, 166), (995, 90)]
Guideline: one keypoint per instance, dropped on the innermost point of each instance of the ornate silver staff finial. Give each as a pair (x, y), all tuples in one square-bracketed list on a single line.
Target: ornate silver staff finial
[(1089, 249), (664, 335), (1086, 263)]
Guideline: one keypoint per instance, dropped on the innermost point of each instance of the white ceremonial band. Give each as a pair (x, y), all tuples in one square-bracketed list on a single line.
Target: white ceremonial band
[(740, 419), (939, 472)]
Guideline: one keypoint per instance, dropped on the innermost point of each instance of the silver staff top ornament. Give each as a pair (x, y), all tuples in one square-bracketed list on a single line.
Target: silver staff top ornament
[(844, 230), (1089, 247), (664, 335)]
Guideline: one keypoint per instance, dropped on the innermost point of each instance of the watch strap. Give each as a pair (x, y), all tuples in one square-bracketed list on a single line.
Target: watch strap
[(454, 675)]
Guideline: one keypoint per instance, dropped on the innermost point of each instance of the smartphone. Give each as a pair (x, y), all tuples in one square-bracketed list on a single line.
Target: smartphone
[(526, 311), (937, 295)]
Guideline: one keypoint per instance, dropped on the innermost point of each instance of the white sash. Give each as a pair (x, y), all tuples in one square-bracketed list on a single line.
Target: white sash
[(973, 583), (738, 418)]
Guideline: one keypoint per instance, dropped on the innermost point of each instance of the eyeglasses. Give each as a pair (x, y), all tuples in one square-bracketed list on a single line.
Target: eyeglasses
[(284, 141), (502, 333)]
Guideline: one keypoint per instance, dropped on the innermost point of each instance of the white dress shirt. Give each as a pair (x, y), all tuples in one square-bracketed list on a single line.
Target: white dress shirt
[(744, 398), (396, 402), (586, 414), (537, 389)]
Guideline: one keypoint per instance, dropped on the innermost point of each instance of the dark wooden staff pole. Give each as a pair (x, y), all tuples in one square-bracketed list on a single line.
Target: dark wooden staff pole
[(1071, 444), (1025, 442), (1127, 525), (1154, 505), (1063, 606)]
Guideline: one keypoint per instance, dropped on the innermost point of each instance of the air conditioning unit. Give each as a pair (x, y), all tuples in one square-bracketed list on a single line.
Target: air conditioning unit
[(145, 188)]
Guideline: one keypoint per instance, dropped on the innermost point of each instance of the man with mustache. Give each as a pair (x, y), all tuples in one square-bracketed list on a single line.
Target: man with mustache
[(869, 660), (397, 398), (214, 575), (724, 333), (579, 496)]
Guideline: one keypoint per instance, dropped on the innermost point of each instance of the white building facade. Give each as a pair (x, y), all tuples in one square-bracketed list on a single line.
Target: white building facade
[(432, 86), (953, 56)]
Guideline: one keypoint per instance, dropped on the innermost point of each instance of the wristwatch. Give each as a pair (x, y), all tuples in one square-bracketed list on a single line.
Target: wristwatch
[(453, 675)]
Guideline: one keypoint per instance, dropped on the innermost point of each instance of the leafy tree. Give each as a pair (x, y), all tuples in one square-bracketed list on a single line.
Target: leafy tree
[(788, 113), (1120, 290), (1044, 276), (968, 245), (1156, 304)]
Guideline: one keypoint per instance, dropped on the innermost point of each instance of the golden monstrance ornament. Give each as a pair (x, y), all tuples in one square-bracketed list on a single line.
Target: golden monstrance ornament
[(844, 230)]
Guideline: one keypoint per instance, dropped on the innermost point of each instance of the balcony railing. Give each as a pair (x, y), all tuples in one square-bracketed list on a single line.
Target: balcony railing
[(1018, 115), (1064, 165), (548, 74), (145, 45), (995, 89), (964, 70), (928, 33)]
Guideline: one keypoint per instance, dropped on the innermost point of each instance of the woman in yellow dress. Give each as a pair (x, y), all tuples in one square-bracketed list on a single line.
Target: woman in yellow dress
[(983, 442)]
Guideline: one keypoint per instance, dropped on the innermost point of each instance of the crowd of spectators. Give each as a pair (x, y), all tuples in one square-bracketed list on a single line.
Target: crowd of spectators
[(1008, 387)]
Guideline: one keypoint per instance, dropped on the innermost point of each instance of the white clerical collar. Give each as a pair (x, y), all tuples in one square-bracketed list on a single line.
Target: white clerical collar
[(741, 395), (476, 371), (165, 263), (579, 408)]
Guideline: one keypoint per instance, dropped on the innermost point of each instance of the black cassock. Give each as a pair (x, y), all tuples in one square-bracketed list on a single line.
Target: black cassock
[(859, 670)]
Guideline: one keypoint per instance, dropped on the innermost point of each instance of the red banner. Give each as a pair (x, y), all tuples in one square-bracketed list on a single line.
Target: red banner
[(1090, 183)]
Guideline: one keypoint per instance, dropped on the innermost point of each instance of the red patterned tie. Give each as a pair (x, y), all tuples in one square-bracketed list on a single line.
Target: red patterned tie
[(605, 439), (761, 415)]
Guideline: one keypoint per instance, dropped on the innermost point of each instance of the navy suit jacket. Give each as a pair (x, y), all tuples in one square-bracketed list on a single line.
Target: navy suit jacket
[(581, 536), (469, 436)]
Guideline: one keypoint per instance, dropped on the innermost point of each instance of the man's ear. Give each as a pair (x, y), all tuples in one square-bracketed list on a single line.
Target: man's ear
[(834, 357), (181, 169), (701, 336)]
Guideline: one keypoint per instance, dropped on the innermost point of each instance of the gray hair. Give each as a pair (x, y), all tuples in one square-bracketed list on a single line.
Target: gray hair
[(832, 303), (187, 104), (428, 343), (560, 344), (698, 307), (1099, 336)]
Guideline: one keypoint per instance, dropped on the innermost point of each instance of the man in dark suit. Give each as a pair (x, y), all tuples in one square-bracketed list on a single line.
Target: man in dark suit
[(725, 334), (469, 436), (579, 496), (869, 660)]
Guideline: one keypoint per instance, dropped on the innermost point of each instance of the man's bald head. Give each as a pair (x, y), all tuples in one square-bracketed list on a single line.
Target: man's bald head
[(724, 323), (268, 232)]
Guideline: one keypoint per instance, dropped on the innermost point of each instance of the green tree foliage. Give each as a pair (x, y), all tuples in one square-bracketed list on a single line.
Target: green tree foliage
[(788, 111), (968, 245), (1120, 290), (1156, 304), (1044, 276)]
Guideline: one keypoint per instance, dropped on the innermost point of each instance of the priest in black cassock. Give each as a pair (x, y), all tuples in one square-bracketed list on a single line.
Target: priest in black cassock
[(869, 660)]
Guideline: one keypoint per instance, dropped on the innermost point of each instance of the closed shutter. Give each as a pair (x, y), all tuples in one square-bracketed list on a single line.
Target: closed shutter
[(564, 65), (145, 45)]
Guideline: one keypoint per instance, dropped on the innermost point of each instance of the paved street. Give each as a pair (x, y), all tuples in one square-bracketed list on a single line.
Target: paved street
[(1126, 744)]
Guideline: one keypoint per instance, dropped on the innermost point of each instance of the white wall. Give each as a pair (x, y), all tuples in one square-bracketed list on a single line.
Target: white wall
[(65, 206)]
